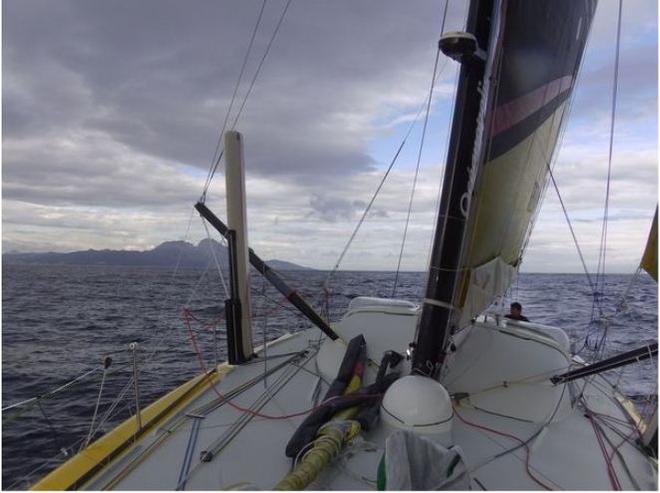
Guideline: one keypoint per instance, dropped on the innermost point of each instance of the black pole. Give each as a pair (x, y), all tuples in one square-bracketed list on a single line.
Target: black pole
[(437, 313), (233, 309), (274, 278), (622, 359)]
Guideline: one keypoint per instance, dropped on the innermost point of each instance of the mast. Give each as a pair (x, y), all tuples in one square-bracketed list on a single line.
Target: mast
[(462, 165), (238, 306), (520, 61)]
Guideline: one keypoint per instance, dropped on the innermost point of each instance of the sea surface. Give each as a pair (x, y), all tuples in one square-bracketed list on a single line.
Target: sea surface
[(60, 322)]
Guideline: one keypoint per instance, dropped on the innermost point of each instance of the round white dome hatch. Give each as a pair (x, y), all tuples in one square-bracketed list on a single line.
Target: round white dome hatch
[(418, 404)]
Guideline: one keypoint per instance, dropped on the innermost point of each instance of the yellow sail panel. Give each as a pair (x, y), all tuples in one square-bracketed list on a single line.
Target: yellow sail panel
[(650, 258), (505, 203)]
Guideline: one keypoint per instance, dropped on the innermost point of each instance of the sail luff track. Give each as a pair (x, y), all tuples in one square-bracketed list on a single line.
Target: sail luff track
[(433, 328)]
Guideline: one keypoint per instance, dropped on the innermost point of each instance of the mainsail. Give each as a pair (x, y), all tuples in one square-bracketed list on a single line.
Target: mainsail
[(530, 106), (499, 162)]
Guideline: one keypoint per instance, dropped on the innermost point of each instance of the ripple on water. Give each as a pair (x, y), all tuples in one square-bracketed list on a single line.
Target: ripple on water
[(59, 321)]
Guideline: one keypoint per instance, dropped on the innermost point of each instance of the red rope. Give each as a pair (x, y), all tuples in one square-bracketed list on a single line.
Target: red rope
[(626, 439), (635, 429), (191, 336), (524, 444), (614, 481)]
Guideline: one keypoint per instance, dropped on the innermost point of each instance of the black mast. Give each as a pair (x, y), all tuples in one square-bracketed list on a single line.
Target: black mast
[(437, 313)]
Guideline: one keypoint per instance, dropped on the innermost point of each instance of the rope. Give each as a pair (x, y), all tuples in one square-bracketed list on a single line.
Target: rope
[(52, 430), (553, 157), (333, 271), (599, 346), (216, 161), (614, 481), (215, 258), (193, 343), (600, 276), (167, 300), (521, 442), (109, 412), (96, 410), (249, 91), (419, 159), (570, 227), (367, 209), (52, 392), (436, 203), (261, 62)]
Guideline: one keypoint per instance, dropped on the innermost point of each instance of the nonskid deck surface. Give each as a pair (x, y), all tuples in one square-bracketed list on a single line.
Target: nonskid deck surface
[(245, 450), (242, 448), (565, 455)]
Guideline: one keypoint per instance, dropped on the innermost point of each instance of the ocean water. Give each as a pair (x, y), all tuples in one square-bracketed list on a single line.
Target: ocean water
[(59, 322)]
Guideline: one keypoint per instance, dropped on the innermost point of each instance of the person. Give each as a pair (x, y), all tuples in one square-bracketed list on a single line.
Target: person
[(516, 312)]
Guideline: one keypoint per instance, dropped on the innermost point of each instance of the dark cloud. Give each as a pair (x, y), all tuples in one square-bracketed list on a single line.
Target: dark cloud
[(114, 108), (156, 76)]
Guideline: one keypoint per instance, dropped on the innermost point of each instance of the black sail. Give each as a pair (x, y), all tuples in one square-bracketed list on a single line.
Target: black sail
[(508, 116)]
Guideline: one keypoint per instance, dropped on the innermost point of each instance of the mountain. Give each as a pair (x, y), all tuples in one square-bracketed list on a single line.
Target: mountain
[(164, 255)]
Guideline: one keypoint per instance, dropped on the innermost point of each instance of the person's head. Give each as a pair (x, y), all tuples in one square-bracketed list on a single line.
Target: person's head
[(516, 309)]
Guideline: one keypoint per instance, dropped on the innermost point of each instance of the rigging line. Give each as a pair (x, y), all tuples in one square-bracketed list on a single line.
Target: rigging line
[(53, 431), (419, 160), (203, 410), (215, 257), (109, 412), (253, 81), (217, 446), (215, 160), (570, 226), (249, 411), (436, 204), (378, 189), (261, 62), (52, 392), (198, 284), (96, 410), (538, 432), (280, 305), (562, 131), (27, 477), (167, 300), (368, 208), (614, 480), (520, 442), (382, 182), (55, 459), (615, 450), (620, 306), (615, 87)]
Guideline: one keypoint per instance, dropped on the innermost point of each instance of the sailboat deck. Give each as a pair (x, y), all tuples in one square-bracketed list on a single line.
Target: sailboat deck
[(248, 449)]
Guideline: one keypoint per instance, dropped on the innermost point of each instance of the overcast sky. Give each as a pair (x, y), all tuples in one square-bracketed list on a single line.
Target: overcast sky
[(111, 114)]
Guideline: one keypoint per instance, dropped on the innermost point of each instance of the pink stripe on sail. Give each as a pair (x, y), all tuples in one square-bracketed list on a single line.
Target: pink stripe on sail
[(507, 115)]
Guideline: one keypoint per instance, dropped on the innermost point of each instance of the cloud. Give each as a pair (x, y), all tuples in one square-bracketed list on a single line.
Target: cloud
[(111, 114)]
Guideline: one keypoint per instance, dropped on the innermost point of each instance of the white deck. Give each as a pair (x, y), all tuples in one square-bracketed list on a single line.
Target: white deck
[(250, 450)]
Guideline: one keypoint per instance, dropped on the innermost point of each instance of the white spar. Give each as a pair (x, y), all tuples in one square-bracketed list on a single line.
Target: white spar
[(237, 221)]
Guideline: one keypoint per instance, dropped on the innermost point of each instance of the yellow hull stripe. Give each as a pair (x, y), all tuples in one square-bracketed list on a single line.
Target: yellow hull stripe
[(86, 463)]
